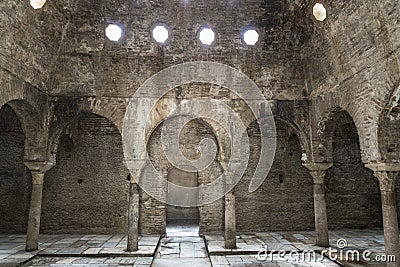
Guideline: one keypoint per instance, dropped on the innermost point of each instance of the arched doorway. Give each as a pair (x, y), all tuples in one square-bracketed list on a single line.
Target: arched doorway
[(208, 218)]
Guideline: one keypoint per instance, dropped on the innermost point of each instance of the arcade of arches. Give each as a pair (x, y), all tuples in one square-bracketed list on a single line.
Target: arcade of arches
[(333, 87)]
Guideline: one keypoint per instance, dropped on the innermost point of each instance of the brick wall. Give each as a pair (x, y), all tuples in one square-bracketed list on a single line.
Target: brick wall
[(31, 39), (285, 199), (352, 196), (96, 66), (87, 191), (15, 179)]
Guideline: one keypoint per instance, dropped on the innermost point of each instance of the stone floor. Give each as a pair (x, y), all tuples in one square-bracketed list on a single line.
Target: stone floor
[(90, 261), (12, 247), (254, 249), (298, 249), (181, 251), (189, 230)]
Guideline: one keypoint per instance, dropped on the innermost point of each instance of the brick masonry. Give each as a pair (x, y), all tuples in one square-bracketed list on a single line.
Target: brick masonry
[(60, 66)]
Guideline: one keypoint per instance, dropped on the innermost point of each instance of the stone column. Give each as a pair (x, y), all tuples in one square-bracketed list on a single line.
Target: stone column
[(133, 218), (38, 169), (32, 236), (230, 212), (386, 174), (230, 220), (318, 171)]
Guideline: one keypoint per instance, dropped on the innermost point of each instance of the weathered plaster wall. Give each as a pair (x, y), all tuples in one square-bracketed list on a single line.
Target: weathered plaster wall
[(31, 40)]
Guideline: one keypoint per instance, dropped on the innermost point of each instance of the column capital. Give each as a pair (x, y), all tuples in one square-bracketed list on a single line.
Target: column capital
[(38, 166), (318, 171), (385, 167), (314, 166), (387, 180), (386, 174), (37, 178)]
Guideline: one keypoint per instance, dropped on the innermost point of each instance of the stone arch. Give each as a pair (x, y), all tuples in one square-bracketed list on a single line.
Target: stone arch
[(365, 114), (219, 132), (290, 124), (111, 109), (301, 135), (166, 105), (33, 127), (333, 118), (199, 129), (335, 115), (103, 110), (30, 105)]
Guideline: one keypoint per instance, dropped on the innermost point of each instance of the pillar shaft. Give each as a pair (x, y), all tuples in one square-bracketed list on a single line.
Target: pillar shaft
[(387, 181), (230, 221), (318, 172), (321, 220), (133, 218), (32, 236)]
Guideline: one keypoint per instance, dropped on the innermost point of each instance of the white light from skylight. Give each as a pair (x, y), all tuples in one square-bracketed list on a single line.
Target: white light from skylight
[(250, 37), (207, 36), (160, 34), (37, 4), (113, 32), (319, 12)]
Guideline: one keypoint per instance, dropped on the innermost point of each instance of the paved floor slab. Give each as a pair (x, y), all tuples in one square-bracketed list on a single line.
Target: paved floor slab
[(108, 250)]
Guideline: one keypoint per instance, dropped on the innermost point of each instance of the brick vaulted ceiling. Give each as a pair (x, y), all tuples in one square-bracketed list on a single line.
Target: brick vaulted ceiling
[(61, 49)]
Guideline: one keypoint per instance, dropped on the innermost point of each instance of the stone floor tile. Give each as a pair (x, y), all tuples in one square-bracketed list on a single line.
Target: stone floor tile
[(144, 260)]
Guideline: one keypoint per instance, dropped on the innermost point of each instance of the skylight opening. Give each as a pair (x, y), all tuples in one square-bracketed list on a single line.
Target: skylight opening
[(114, 32), (319, 12), (160, 34), (250, 37), (37, 4), (206, 36)]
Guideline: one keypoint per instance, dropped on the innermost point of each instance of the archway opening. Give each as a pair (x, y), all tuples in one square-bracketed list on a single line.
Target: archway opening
[(15, 178), (86, 192), (352, 195), (182, 221), (284, 201)]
